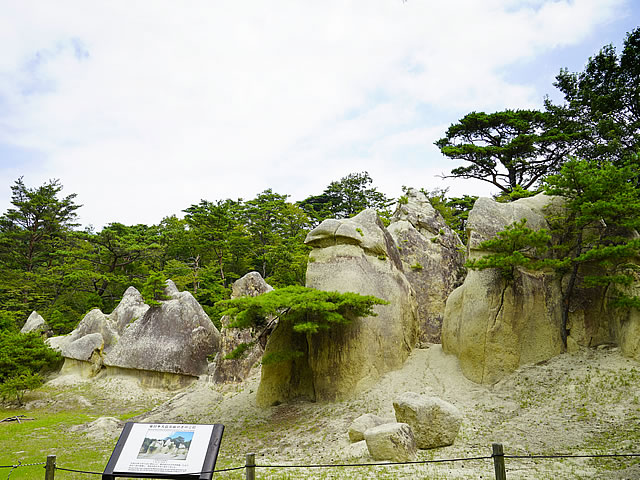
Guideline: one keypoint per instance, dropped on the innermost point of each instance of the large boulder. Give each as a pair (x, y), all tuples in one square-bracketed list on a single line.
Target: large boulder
[(432, 258), (391, 441), (35, 323), (364, 423), (236, 370), (175, 337), (494, 325), (351, 255), (434, 422)]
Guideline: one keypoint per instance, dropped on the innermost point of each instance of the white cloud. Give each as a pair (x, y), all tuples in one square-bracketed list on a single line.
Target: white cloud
[(143, 108)]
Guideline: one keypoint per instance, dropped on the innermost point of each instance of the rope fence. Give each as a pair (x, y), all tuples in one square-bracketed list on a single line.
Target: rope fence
[(498, 456)]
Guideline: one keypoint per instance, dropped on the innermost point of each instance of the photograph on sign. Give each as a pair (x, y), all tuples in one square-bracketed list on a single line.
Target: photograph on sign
[(164, 449)]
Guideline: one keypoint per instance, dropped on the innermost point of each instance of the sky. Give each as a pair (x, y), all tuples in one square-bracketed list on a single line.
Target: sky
[(143, 108)]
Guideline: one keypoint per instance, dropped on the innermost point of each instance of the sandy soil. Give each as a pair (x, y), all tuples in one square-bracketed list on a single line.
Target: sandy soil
[(582, 403)]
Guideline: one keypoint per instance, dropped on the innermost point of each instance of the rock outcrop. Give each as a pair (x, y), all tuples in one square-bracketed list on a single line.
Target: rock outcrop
[(35, 323), (432, 258), (434, 422), (351, 255), (493, 325), (236, 370), (175, 337)]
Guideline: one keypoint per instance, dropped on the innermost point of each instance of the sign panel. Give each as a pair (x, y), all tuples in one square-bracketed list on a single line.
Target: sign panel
[(165, 450)]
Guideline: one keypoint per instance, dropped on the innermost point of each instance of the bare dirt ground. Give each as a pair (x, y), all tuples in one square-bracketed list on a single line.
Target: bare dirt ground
[(583, 403)]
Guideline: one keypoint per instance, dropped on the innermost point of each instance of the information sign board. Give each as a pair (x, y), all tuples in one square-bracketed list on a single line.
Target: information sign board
[(165, 450)]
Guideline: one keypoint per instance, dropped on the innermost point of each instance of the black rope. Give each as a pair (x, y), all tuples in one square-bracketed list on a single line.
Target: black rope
[(20, 464), (78, 471), (192, 473), (384, 464), (561, 455), (226, 469)]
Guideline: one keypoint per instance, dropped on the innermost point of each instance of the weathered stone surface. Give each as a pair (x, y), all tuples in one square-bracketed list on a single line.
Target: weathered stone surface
[(494, 326), (251, 285), (364, 423), (624, 324), (489, 217), (236, 370), (391, 441), (175, 337), (434, 422), (432, 258), (356, 450), (96, 322), (130, 309), (84, 347), (35, 323), (352, 255)]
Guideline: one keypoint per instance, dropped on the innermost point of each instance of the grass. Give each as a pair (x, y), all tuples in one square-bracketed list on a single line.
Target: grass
[(32, 441)]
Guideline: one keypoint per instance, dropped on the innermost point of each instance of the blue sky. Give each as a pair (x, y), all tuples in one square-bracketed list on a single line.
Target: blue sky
[(145, 108)]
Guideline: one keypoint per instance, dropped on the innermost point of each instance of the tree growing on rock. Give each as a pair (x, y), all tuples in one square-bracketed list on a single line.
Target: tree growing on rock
[(594, 236), (307, 310)]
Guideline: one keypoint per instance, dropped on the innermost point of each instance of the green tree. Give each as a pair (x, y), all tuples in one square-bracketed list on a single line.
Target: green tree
[(596, 228), (23, 354), (593, 241), (515, 246), (33, 229), (601, 107), (276, 231), (17, 386), (454, 210), (508, 149), (345, 198), (306, 310), (212, 224), (153, 289)]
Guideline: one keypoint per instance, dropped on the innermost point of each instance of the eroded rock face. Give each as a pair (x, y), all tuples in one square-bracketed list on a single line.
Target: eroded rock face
[(492, 325), (130, 309), (175, 337), (489, 217), (35, 323), (432, 258), (236, 370), (352, 255)]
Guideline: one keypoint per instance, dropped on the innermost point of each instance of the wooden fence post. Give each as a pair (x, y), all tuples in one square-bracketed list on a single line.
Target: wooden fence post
[(50, 467), (498, 461), (250, 466)]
